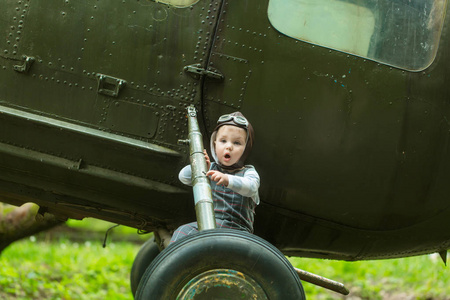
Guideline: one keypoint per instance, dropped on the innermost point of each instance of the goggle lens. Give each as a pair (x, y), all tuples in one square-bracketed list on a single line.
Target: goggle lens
[(237, 119)]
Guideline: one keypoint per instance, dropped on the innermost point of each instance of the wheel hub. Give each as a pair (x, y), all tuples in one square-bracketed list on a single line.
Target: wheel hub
[(222, 284)]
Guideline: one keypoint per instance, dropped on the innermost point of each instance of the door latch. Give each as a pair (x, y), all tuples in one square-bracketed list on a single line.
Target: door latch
[(197, 69), (109, 86)]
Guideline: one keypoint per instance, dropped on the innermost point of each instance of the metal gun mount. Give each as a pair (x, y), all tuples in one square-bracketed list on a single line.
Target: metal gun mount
[(202, 189)]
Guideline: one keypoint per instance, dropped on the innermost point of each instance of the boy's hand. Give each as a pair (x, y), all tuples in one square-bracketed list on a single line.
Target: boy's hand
[(208, 161), (219, 177)]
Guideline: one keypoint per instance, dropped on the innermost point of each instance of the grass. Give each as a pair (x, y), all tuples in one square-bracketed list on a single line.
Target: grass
[(52, 266), (420, 277), (32, 269), (44, 268)]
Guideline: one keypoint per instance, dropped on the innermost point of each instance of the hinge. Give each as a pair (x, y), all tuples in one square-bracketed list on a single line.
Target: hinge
[(197, 69), (25, 67)]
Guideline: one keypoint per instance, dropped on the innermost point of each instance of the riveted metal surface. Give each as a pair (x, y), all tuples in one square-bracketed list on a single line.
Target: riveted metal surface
[(145, 45), (366, 141), (92, 47), (12, 20), (348, 128)]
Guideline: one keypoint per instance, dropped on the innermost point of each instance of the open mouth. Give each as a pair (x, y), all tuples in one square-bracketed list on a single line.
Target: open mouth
[(227, 156)]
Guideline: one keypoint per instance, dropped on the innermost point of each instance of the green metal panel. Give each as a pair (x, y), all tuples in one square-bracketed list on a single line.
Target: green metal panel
[(100, 144), (353, 154), (346, 140)]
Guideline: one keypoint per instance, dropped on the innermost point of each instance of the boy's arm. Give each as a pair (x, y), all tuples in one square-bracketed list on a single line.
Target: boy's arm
[(185, 175), (246, 186)]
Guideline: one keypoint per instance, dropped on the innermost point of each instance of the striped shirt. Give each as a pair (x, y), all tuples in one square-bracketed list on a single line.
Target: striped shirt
[(235, 203)]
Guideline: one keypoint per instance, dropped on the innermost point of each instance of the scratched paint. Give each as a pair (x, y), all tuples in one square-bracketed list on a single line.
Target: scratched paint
[(334, 79)]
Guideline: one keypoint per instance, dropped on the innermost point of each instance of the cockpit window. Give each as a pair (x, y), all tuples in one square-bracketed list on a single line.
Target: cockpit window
[(401, 33), (178, 3)]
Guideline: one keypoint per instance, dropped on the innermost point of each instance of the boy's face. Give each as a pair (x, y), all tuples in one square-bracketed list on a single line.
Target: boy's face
[(230, 144)]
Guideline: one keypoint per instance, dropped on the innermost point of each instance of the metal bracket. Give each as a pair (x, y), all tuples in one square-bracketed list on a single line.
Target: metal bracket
[(109, 86), (25, 67), (197, 69)]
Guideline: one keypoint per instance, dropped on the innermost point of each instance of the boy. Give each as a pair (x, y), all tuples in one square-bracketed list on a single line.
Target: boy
[(234, 185)]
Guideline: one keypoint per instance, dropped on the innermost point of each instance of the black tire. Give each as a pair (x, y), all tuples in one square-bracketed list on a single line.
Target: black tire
[(149, 250), (191, 265)]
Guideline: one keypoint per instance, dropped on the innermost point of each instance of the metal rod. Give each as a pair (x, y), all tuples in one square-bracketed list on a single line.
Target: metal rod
[(202, 189), (322, 282)]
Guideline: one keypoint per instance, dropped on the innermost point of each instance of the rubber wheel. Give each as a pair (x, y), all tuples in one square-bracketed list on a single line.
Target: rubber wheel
[(220, 264), (147, 253)]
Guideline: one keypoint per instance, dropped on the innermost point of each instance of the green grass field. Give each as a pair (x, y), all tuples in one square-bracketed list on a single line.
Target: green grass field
[(421, 277), (66, 270), (43, 268)]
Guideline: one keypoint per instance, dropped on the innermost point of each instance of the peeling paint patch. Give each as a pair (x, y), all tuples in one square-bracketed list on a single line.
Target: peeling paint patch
[(333, 78)]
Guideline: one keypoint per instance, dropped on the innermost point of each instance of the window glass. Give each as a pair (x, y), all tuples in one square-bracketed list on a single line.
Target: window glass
[(178, 3), (402, 33)]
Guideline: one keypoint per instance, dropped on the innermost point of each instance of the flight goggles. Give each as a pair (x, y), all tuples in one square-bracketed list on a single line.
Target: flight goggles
[(239, 120)]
